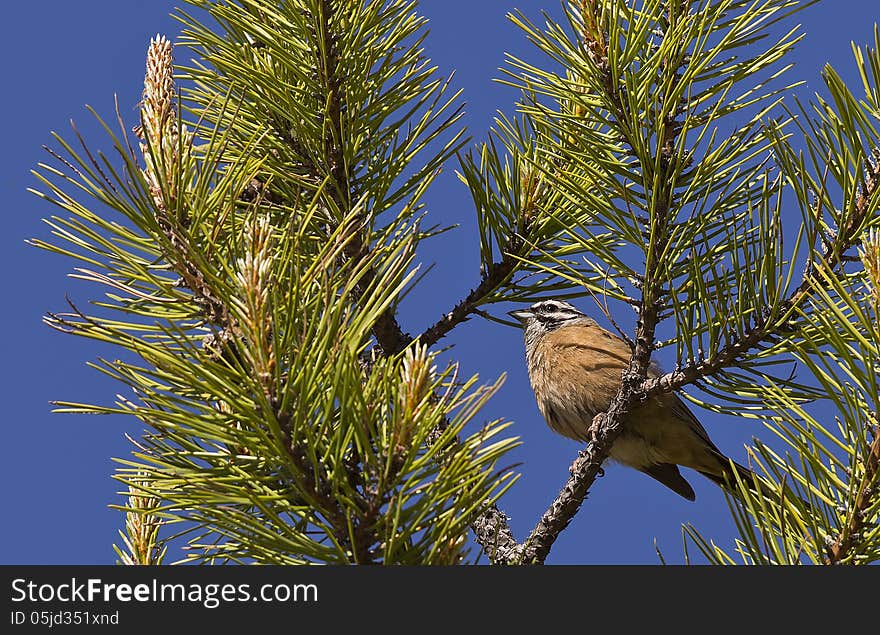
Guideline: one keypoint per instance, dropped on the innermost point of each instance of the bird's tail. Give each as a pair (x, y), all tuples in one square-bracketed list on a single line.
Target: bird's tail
[(732, 472)]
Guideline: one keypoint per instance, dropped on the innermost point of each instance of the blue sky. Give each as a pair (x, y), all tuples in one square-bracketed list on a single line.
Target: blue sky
[(56, 469)]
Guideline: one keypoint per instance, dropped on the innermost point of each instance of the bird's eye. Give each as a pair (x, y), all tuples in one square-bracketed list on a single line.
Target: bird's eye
[(544, 308)]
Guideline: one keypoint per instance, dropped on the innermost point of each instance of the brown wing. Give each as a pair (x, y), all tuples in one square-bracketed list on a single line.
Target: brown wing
[(681, 411)]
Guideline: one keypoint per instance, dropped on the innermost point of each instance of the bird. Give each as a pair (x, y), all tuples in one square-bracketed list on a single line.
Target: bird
[(575, 368)]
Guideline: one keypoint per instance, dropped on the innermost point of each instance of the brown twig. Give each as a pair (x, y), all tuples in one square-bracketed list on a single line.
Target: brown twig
[(498, 273), (492, 532)]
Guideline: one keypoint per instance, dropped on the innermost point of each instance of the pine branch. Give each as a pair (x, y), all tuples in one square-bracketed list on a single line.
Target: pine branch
[(387, 331), (391, 338), (833, 257), (867, 491), (140, 540), (357, 536), (270, 438), (162, 141), (159, 132), (865, 499)]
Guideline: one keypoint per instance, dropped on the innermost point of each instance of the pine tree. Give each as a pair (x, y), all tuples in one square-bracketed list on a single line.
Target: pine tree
[(258, 228)]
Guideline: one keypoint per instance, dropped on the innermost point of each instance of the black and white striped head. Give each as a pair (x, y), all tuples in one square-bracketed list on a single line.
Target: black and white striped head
[(548, 315)]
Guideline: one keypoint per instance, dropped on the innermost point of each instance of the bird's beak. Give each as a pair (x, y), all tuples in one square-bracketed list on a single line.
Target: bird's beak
[(521, 315)]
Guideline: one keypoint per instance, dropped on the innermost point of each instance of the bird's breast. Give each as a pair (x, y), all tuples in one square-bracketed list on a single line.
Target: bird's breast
[(572, 385)]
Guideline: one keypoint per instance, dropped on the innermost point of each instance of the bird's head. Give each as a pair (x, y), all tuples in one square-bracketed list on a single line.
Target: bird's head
[(548, 315)]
